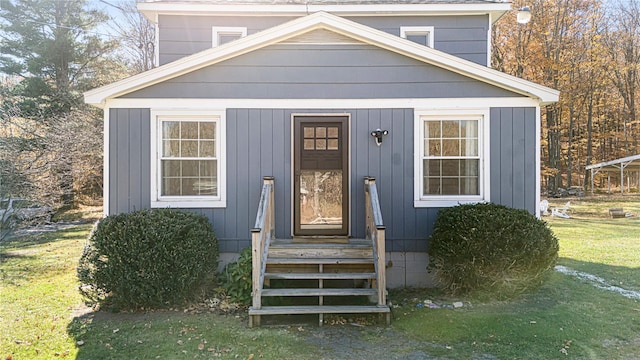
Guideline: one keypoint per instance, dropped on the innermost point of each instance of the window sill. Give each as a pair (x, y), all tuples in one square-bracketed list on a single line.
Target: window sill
[(189, 204), (441, 203)]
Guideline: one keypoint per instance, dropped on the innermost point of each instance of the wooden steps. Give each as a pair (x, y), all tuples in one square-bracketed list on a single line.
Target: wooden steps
[(320, 292), (317, 276), (341, 274), (319, 309)]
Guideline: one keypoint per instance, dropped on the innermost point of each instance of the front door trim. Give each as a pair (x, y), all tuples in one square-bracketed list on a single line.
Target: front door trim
[(347, 171)]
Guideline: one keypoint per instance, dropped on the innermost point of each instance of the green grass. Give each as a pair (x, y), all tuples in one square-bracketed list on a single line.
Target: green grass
[(38, 293), (39, 318), (566, 318)]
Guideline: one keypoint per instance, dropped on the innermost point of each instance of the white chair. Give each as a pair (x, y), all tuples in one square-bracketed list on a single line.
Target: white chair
[(544, 207), (561, 211)]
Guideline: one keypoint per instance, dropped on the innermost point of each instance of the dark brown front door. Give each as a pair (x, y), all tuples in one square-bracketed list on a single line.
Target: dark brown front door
[(321, 175)]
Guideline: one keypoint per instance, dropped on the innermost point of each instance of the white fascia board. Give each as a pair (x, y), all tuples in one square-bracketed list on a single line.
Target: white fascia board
[(322, 20), (418, 103), (150, 10)]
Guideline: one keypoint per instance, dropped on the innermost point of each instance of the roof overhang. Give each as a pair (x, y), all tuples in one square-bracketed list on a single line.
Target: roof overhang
[(316, 21), (152, 9)]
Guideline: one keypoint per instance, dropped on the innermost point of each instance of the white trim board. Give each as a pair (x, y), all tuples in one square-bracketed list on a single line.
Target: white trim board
[(152, 9), (322, 20), (433, 103)]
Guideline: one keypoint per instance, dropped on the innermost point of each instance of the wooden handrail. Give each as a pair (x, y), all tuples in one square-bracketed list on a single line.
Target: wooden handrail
[(375, 231), (261, 235)]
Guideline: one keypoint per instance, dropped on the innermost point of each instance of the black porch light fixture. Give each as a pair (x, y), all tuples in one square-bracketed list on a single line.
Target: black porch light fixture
[(378, 134), (524, 15)]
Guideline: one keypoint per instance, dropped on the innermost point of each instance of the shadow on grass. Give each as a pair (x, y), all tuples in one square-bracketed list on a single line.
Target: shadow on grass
[(55, 233)]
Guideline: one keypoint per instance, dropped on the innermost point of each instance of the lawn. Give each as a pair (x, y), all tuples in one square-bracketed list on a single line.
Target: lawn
[(42, 316)]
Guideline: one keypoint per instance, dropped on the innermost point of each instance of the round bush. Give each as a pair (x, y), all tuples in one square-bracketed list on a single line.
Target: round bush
[(147, 258), (491, 250)]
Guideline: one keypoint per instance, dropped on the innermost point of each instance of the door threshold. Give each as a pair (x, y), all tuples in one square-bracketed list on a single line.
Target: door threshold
[(321, 239)]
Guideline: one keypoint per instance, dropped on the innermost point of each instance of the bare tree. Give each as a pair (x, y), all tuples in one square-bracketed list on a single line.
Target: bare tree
[(136, 35)]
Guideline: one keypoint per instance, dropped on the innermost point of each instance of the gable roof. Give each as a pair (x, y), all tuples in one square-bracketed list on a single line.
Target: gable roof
[(494, 8), (316, 21)]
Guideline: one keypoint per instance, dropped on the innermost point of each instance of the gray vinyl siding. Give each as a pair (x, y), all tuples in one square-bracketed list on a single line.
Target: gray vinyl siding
[(513, 157), (463, 36), (321, 72), (129, 167), (259, 144)]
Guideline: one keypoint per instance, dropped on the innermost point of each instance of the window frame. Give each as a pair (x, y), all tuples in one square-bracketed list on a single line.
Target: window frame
[(482, 116), (418, 30), (226, 30), (187, 201)]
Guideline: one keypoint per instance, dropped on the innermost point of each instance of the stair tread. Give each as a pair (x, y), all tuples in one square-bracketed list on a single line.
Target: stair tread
[(290, 260), (313, 276), (319, 309), (319, 292)]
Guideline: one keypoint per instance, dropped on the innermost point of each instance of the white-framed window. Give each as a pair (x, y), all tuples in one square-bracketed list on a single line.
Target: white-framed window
[(422, 35), (225, 34), (452, 157), (188, 159)]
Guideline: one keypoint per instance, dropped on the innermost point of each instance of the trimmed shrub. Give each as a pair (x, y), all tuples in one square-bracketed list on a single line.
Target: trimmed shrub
[(147, 258), (236, 278), (491, 250)]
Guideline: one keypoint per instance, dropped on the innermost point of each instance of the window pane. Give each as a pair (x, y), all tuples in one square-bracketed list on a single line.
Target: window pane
[(432, 147), (469, 167), (450, 129), (189, 149), (451, 147), (171, 186), (207, 130), (451, 167), (469, 186), (422, 39), (432, 129), (469, 147), (207, 149), (469, 128), (332, 132), (189, 130), (431, 186), (171, 130), (171, 148), (308, 132), (321, 144), (432, 167), (190, 168), (208, 168), (321, 132), (450, 186), (171, 168), (188, 186), (332, 144), (225, 38), (308, 144)]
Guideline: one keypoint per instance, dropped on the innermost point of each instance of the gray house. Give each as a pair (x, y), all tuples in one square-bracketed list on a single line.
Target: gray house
[(273, 118)]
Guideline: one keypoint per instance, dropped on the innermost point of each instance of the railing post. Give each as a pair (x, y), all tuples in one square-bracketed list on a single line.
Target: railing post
[(271, 212), (367, 208), (256, 259), (382, 271)]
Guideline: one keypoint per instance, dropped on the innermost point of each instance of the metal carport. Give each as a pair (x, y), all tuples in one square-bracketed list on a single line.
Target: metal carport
[(622, 165)]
